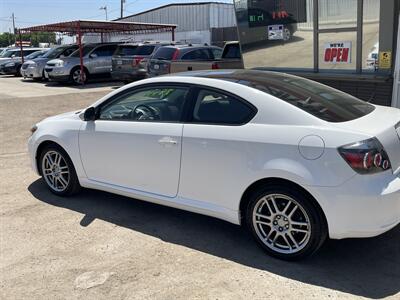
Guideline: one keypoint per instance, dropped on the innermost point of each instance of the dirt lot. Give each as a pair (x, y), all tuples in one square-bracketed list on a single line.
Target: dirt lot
[(101, 246)]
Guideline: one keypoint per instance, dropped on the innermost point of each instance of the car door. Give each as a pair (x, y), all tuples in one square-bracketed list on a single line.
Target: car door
[(99, 61), (214, 150), (135, 141)]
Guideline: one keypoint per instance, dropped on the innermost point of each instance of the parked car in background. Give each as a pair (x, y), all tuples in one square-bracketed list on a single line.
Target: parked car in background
[(231, 59), (13, 53), (96, 63), (292, 159), (129, 60), (160, 62), (34, 68), (14, 67)]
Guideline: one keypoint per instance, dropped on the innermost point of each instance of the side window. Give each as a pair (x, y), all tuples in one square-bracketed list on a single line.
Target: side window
[(105, 50), (158, 104), (199, 54), (217, 53), (218, 108), (68, 51)]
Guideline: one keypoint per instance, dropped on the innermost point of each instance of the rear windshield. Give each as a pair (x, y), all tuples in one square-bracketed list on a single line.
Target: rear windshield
[(321, 101), (164, 53), (126, 50), (232, 51), (145, 50)]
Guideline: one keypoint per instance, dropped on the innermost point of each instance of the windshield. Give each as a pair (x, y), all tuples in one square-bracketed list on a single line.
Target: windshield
[(8, 53), (85, 51), (36, 54), (54, 53), (319, 100)]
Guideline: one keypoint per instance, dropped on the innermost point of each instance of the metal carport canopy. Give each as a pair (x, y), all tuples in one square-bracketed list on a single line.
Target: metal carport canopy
[(81, 27)]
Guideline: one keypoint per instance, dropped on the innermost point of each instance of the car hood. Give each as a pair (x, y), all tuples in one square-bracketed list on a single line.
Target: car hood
[(68, 115)]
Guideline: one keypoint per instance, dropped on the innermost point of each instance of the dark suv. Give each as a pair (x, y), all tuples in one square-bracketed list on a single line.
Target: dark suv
[(128, 61), (160, 62)]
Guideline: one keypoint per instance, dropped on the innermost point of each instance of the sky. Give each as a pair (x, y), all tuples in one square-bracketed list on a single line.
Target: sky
[(36, 12)]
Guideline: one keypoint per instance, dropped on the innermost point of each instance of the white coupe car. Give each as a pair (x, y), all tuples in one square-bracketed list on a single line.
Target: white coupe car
[(294, 160)]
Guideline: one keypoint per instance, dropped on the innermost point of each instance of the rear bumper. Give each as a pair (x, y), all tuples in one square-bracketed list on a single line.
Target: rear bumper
[(365, 206), (131, 76)]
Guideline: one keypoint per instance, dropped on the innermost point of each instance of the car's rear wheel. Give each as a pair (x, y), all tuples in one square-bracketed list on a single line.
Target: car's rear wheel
[(58, 171), (77, 78), (285, 222)]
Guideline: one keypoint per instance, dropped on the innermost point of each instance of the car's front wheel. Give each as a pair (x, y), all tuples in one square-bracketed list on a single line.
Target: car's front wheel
[(285, 222), (78, 77), (58, 171)]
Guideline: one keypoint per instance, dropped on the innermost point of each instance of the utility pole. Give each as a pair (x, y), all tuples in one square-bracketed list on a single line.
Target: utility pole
[(105, 9), (14, 33), (122, 8)]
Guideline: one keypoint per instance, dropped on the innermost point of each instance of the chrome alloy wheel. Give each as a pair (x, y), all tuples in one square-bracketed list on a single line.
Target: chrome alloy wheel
[(281, 223), (55, 171), (76, 76)]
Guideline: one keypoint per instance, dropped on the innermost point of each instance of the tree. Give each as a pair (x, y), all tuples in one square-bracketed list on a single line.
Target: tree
[(35, 38)]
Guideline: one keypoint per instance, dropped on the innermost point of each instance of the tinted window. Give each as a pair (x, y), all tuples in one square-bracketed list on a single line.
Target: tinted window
[(217, 108), (231, 51), (36, 54), (56, 52), (317, 99), (164, 53), (85, 50), (68, 51), (105, 50), (199, 54), (145, 50), (126, 50), (159, 104), (217, 53)]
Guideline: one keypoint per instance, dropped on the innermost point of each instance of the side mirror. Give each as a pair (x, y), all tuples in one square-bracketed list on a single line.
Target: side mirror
[(62, 56), (90, 114), (93, 55), (12, 56)]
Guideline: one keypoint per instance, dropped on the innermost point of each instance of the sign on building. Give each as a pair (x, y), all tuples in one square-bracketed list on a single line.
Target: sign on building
[(337, 53)]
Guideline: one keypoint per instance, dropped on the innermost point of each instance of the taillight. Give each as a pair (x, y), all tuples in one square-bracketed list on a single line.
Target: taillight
[(214, 66), (366, 157), (137, 60), (175, 55)]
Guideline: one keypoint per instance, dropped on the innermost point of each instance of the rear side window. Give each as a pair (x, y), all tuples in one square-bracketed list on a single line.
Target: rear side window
[(145, 50), (105, 50), (217, 53), (164, 53), (218, 108), (199, 54), (126, 50)]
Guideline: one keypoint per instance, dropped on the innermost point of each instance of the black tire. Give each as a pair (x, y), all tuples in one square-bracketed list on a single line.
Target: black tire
[(318, 230), (73, 185), (73, 79), (18, 74)]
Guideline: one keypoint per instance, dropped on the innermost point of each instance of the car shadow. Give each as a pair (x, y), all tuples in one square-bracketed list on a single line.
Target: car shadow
[(362, 267)]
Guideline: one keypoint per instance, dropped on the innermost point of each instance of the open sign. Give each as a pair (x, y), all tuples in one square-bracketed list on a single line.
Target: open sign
[(338, 52)]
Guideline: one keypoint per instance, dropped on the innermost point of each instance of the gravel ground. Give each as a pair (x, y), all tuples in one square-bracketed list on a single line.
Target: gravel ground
[(102, 246)]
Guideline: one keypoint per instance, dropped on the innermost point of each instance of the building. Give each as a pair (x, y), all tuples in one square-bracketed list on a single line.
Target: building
[(348, 44), (199, 22)]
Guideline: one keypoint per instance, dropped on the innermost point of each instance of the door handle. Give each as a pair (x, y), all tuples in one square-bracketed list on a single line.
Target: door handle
[(167, 141)]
